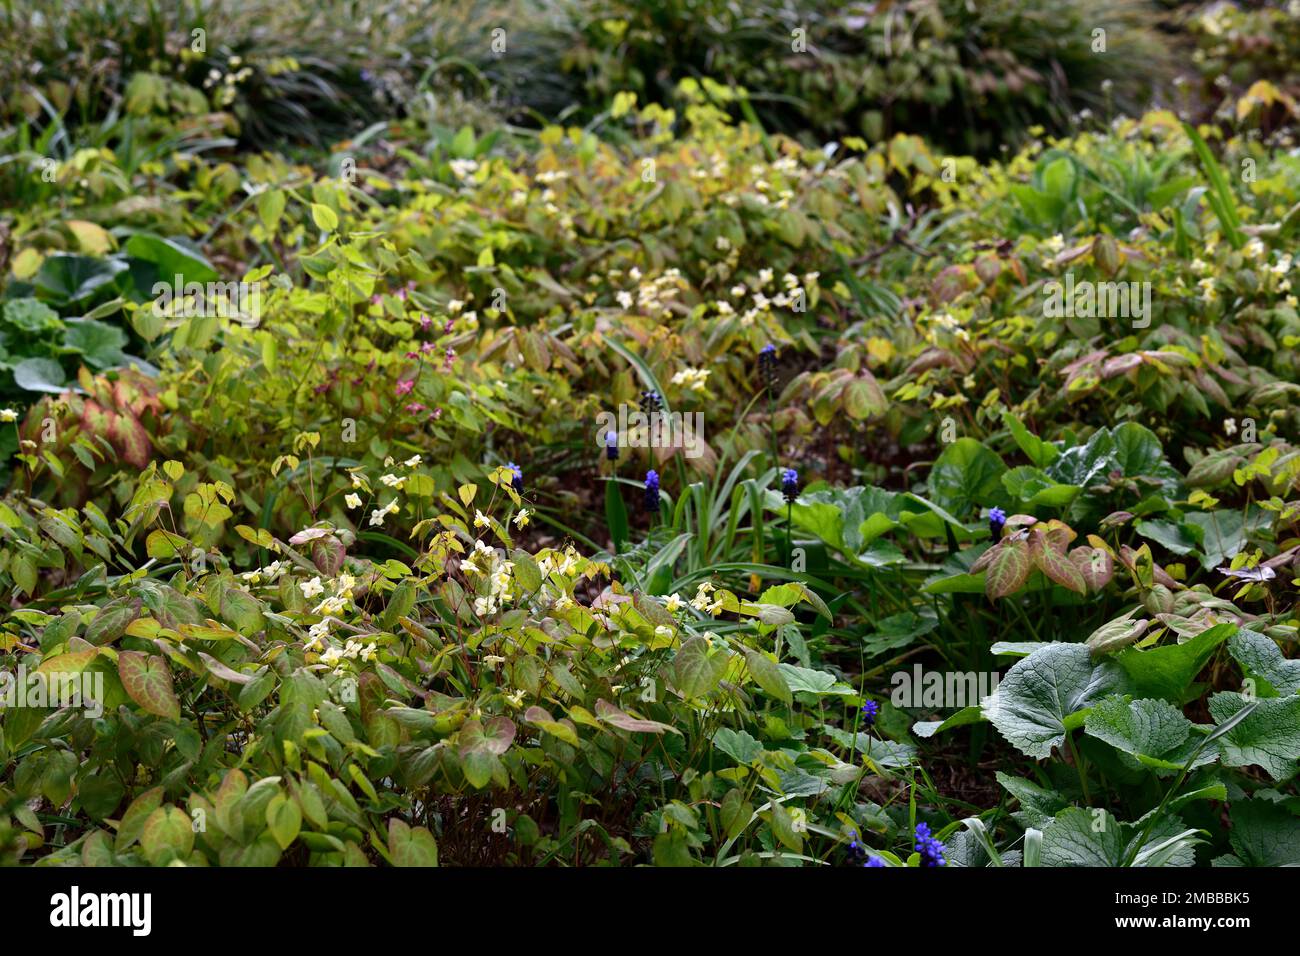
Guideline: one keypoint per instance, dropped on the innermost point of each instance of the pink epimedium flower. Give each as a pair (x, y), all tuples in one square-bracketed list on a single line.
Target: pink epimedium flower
[(427, 347), (415, 408), (404, 386), (425, 321)]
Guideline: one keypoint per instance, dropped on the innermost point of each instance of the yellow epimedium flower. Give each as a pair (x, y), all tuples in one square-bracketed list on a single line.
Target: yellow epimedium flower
[(352, 500), (331, 606), (692, 378), (673, 603), (311, 588), (379, 514), (521, 519), (393, 481), (8, 415)]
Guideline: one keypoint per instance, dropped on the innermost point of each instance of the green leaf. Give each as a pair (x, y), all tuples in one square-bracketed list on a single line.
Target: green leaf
[(99, 343), (66, 280), (767, 675), (526, 570), (1261, 658), (1264, 833), (283, 819), (1268, 737), (1167, 671), (31, 316), (1045, 695), (738, 745), (1224, 533), (1220, 195), (148, 679), (967, 476), (1036, 450), (326, 219), (696, 671), (967, 715), (171, 258), (1173, 537), (1153, 732), (615, 515), (40, 375), (1081, 837)]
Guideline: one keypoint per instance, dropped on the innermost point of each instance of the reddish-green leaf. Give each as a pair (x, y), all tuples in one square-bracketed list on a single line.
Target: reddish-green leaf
[(1008, 569), (148, 680)]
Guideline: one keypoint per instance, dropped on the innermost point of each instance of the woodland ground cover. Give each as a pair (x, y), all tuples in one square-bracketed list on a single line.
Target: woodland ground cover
[(480, 437)]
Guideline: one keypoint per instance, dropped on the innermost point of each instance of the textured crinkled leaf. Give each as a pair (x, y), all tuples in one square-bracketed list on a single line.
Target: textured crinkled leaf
[(1261, 658), (1045, 694), (1153, 732), (1269, 737)]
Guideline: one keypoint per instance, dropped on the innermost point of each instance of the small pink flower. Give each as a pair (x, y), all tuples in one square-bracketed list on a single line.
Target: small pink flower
[(427, 347), (435, 414), (447, 362), (404, 386), (415, 408), (425, 321)]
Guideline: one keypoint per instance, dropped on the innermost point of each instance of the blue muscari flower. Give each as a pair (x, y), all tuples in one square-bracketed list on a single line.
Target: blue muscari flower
[(518, 481), (767, 365), (931, 850), (869, 711), (651, 401), (611, 445), (790, 484), (997, 518), (652, 491), (874, 861)]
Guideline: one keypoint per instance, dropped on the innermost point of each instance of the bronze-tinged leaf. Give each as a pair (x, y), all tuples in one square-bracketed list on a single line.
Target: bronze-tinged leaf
[(130, 439), (112, 620), (1096, 566), (612, 715), (1055, 564), (1008, 570), (148, 680), (95, 419), (864, 398), (983, 560)]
